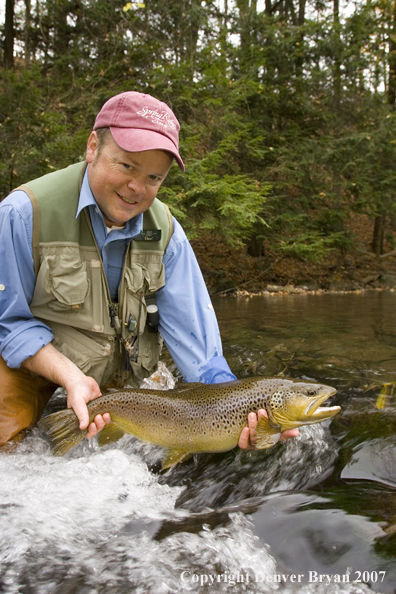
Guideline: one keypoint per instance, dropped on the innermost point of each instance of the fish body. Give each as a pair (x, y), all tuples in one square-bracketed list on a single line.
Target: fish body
[(197, 417)]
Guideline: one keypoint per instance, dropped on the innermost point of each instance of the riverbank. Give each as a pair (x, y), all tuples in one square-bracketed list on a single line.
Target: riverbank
[(231, 270)]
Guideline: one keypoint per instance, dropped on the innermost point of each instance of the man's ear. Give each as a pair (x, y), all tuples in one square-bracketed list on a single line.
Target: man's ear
[(92, 147)]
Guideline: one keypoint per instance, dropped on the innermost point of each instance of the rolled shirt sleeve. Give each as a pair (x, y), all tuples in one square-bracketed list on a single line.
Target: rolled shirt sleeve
[(188, 322), (21, 335)]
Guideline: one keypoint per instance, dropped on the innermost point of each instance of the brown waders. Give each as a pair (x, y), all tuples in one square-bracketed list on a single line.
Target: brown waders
[(23, 397)]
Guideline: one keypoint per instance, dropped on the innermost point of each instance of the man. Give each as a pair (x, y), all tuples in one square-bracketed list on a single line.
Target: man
[(90, 258)]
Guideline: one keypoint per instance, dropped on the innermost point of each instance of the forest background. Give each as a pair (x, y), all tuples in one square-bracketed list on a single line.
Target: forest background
[(287, 111)]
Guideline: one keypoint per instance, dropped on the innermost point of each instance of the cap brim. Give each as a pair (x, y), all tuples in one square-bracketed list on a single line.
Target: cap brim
[(135, 139)]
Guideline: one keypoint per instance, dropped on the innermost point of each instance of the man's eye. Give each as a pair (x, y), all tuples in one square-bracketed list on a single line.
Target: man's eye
[(126, 165), (154, 177)]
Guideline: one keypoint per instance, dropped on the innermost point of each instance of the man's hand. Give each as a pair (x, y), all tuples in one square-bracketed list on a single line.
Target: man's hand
[(247, 439), (80, 388), (79, 393)]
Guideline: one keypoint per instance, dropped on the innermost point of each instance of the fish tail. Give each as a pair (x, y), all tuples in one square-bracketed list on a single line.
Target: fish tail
[(63, 431)]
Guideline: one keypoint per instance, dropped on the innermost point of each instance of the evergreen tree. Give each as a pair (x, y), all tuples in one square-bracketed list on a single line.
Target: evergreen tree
[(286, 110)]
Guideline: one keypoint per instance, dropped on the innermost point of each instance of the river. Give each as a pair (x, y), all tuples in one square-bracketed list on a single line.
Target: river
[(316, 514)]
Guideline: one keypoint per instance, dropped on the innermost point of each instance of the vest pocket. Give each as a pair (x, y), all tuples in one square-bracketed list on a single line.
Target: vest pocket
[(71, 289), (62, 283), (93, 356), (135, 277), (149, 355), (68, 284)]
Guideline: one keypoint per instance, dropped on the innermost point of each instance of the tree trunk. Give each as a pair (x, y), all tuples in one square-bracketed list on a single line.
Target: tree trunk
[(244, 30), (61, 29), (300, 41), (377, 244), (28, 19), (223, 27), (9, 35), (392, 60), (337, 53), (191, 40)]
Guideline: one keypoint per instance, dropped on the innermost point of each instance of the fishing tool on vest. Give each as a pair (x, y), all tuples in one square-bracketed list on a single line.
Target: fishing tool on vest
[(152, 314), (152, 318), (132, 349), (113, 315), (131, 324)]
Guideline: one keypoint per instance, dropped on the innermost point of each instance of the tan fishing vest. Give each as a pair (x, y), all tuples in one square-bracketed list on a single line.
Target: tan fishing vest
[(107, 341)]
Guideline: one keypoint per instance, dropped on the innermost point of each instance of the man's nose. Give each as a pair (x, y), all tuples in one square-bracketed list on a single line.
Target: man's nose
[(137, 184)]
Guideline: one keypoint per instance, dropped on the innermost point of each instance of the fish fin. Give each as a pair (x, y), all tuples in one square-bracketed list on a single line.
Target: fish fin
[(267, 435), (109, 434), (63, 431), (173, 456)]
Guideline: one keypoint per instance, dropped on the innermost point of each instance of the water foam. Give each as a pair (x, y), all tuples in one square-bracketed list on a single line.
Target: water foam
[(88, 523)]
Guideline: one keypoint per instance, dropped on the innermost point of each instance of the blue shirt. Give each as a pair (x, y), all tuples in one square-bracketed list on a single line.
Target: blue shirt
[(187, 320)]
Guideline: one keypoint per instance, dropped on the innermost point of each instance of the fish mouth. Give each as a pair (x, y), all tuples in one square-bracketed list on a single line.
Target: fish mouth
[(318, 413)]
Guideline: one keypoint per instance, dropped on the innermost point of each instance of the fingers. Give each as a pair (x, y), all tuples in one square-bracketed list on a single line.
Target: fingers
[(97, 424), (81, 390), (288, 434), (252, 422), (80, 408), (247, 439), (244, 439)]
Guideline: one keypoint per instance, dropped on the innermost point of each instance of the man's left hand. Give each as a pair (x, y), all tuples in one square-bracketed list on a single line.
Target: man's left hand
[(247, 439)]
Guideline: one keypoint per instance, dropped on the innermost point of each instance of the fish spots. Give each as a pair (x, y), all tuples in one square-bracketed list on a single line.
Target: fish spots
[(203, 415), (277, 400)]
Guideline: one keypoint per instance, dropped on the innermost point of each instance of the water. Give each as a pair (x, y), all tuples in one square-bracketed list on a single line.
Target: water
[(316, 514)]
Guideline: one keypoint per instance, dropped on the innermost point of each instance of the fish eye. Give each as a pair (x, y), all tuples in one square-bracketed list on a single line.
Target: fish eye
[(311, 392)]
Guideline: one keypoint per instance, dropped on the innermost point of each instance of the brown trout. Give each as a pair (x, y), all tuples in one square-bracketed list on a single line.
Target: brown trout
[(197, 418)]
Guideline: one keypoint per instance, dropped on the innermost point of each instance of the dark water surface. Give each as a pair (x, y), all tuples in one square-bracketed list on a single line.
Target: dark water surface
[(314, 515)]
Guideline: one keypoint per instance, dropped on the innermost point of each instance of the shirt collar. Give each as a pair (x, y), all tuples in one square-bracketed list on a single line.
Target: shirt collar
[(132, 227)]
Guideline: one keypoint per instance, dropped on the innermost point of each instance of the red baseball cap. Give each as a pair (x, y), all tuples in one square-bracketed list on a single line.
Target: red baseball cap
[(139, 122)]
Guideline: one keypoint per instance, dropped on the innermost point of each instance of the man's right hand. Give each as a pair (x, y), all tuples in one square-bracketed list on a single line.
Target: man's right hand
[(79, 393), (80, 388)]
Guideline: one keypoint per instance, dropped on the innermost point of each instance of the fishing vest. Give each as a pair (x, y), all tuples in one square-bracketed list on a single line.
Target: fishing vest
[(107, 341)]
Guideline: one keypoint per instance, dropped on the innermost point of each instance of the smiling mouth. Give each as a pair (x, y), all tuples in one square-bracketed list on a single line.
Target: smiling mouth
[(126, 199)]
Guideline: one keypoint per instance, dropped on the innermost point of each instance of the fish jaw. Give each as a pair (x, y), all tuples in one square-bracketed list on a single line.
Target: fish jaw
[(301, 405), (321, 414), (314, 412)]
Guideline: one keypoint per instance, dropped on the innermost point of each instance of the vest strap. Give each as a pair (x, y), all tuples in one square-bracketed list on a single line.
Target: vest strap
[(170, 219), (36, 226)]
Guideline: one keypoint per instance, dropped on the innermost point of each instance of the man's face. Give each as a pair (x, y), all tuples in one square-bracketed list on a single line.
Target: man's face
[(124, 184)]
